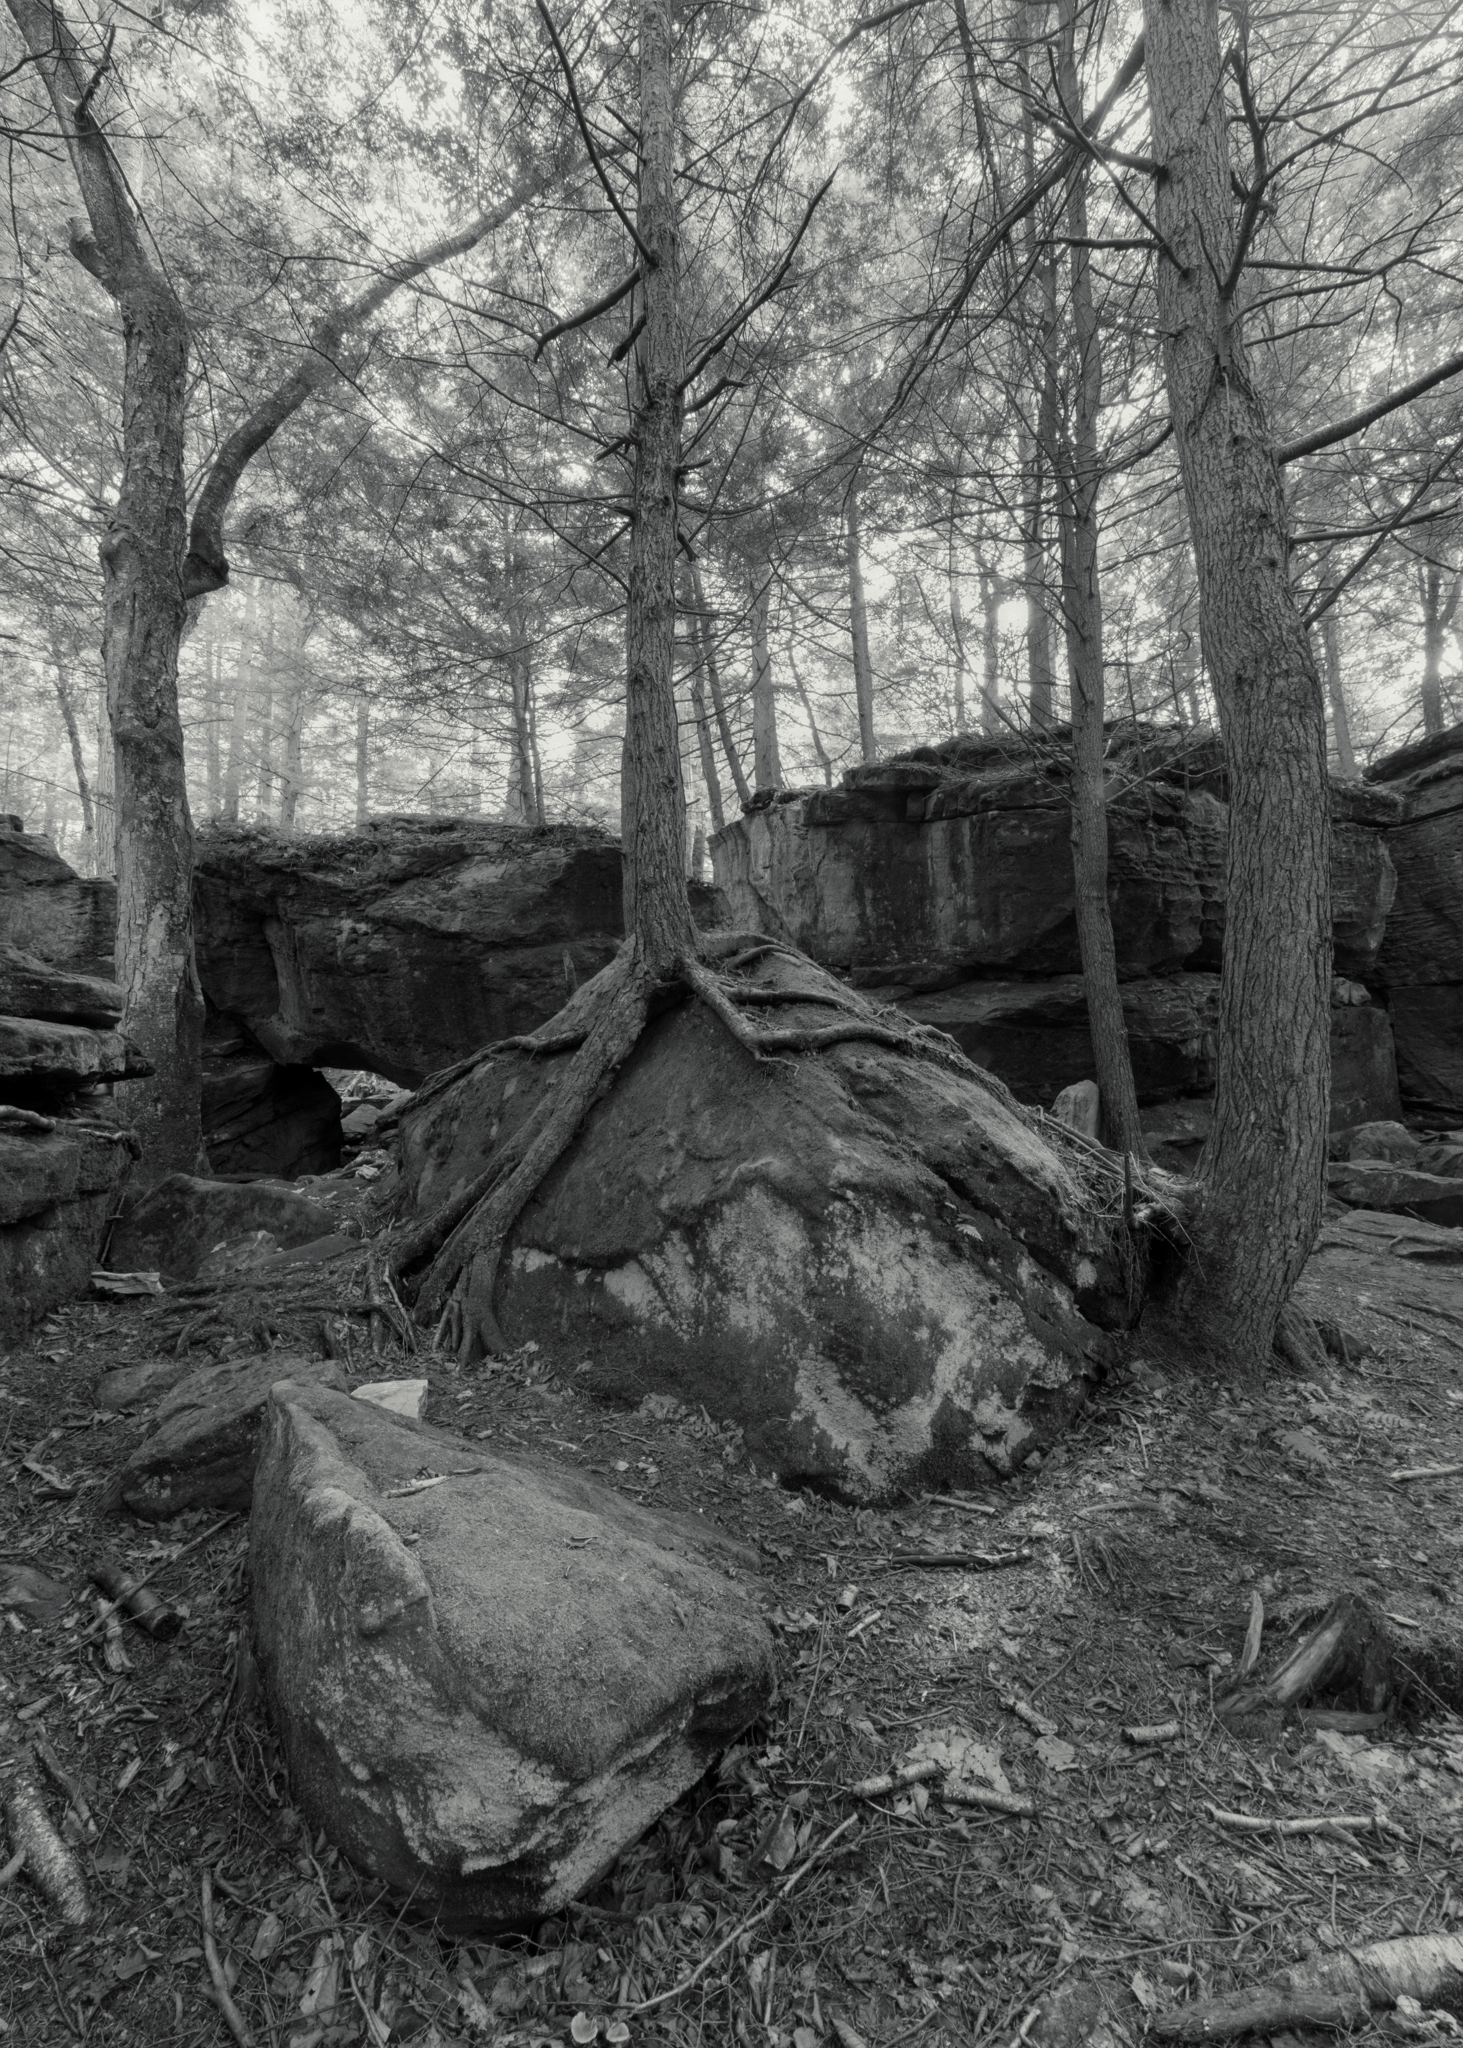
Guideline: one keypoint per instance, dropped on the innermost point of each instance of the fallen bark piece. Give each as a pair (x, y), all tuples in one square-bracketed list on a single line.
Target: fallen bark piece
[(1349, 1651), (955, 1560), (1160, 1731), (895, 1781), (47, 1858), (1250, 1654), (152, 1615), (485, 1689), (990, 1799), (1411, 1472), (1330, 1991)]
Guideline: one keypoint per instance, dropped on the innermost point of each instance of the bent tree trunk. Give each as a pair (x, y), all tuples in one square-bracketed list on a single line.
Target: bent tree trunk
[(142, 611), (1262, 1172)]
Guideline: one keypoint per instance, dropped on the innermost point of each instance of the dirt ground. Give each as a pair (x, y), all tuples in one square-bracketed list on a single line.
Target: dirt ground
[(1116, 1594)]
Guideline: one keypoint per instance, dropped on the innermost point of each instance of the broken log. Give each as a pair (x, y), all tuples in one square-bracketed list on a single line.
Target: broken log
[(1330, 1991), (1349, 1652)]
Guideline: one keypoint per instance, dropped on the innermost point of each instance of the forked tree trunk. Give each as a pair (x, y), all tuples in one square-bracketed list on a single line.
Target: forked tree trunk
[(858, 621), (652, 799), (1263, 1169), (1077, 474), (142, 610), (767, 762)]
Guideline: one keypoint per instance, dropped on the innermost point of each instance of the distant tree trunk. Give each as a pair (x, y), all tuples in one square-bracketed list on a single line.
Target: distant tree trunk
[(1040, 675), (142, 606), (539, 815), (1262, 1172), (522, 803), (818, 747), (992, 590), (858, 621), (264, 708), (705, 748), (1336, 691), (243, 689), (78, 762), (294, 766), (1437, 616), (652, 798), (104, 787), (713, 678), (1076, 468), (957, 632), (363, 760), (767, 762), (212, 706)]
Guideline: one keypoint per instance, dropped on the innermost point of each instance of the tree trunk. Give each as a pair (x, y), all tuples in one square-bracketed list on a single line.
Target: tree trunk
[(1336, 691), (142, 613), (767, 764), (105, 784), (818, 747), (294, 725), (1437, 616), (78, 763), (1077, 474), (652, 799), (713, 678), (243, 688), (212, 707), (1263, 1169), (1039, 670), (363, 761), (858, 620), (264, 708)]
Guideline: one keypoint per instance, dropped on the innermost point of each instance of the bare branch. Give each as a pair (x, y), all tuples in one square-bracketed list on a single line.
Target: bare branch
[(599, 170), (1327, 437)]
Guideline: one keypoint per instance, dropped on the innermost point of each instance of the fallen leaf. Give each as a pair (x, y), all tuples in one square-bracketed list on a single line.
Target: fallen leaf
[(266, 1937), (583, 2028), (1056, 1754)]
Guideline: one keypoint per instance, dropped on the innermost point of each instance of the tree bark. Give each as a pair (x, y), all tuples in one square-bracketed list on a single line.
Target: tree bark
[(264, 707), (858, 621), (1336, 692), (713, 678), (767, 762), (294, 766), (652, 798), (1262, 1172), (992, 591), (1076, 469), (1437, 616), (143, 609), (957, 631), (1040, 676)]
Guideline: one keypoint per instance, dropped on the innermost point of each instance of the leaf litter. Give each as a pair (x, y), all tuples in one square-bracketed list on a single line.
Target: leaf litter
[(771, 1904)]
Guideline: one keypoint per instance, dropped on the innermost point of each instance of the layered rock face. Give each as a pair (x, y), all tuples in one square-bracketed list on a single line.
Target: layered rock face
[(878, 1266), (63, 1152), (489, 1686), (944, 880), (1421, 960), (403, 946)]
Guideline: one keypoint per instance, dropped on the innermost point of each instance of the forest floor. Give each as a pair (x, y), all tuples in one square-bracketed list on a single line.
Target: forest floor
[(1134, 1554)]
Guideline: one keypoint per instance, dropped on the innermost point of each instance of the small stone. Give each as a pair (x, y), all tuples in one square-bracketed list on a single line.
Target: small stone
[(397, 1397)]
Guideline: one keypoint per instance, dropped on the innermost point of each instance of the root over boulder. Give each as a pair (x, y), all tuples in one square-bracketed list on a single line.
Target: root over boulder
[(868, 1255)]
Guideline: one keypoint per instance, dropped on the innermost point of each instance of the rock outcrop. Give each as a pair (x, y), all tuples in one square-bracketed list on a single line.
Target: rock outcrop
[(943, 880), (49, 911), (59, 1178), (404, 945), (880, 1267), (485, 1688), (1421, 960), (259, 1117)]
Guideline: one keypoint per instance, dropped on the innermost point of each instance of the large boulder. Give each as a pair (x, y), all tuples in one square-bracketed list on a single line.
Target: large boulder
[(58, 1183), (32, 987), (177, 1223), (879, 1266), (39, 1059), (956, 861), (1382, 1184), (204, 1445), (1421, 960), (405, 945), (485, 1688)]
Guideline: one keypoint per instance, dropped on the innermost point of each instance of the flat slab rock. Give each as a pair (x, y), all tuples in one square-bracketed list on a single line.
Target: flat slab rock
[(485, 1687), (205, 1439), (1381, 1184)]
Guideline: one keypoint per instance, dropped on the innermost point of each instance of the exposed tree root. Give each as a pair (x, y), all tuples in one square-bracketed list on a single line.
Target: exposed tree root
[(600, 1025), (1330, 1991)]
